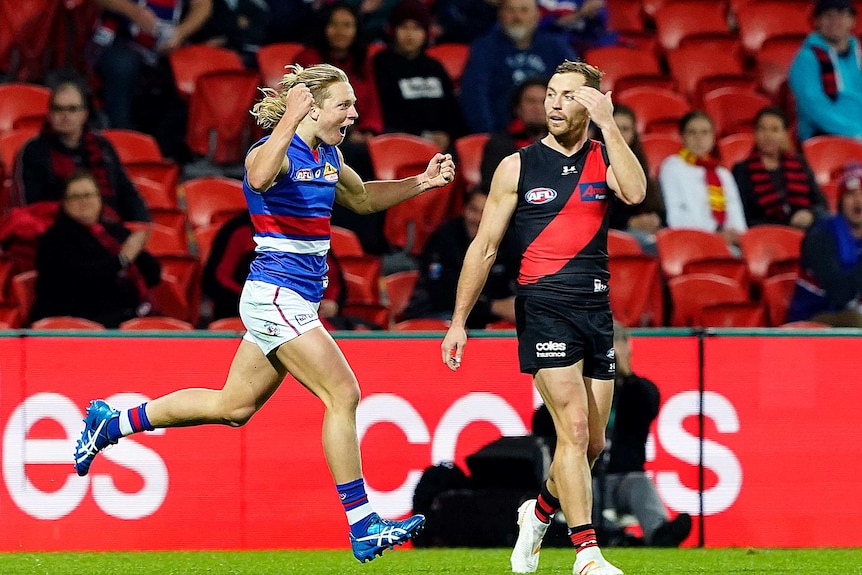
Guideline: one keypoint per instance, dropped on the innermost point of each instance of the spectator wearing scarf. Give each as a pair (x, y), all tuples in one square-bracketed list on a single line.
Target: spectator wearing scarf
[(699, 193), (66, 144), (90, 267), (776, 185), (830, 282), (826, 74)]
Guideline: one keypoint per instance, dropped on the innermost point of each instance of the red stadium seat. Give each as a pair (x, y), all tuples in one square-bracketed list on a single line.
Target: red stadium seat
[(759, 21), (178, 295), (375, 314), (453, 56), (704, 65), (399, 289), (66, 322), (772, 62), (204, 237), (654, 107), (24, 290), (625, 16), (623, 244), (219, 125), (206, 196), (733, 109), (691, 293), (156, 323), (191, 61), (470, 150), (657, 147), (19, 100), (766, 244), (344, 242), (361, 278), (680, 19), (635, 290), (163, 240), (154, 194), (164, 173), (777, 293), (272, 58), (734, 148), (828, 155), (134, 146), (620, 63), (679, 247)]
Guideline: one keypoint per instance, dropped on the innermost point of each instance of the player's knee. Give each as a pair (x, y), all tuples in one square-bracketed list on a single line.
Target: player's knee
[(596, 446), (577, 435), (345, 396)]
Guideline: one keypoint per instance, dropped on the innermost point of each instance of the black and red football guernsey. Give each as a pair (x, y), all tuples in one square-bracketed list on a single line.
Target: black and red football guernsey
[(561, 222)]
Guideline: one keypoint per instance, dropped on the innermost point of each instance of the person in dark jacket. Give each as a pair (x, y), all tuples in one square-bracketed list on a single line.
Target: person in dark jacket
[(66, 144), (90, 267), (417, 96), (829, 287), (440, 267), (777, 185)]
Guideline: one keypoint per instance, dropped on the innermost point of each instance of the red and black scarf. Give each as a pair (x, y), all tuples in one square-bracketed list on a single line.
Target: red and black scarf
[(827, 72), (798, 194), (131, 273), (63, 164)]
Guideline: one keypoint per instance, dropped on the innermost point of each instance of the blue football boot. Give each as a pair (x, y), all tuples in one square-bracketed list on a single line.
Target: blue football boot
[(94, 438), (384, 534)]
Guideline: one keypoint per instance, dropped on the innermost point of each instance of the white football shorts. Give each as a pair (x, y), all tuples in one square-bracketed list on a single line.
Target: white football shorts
[(274, 315)]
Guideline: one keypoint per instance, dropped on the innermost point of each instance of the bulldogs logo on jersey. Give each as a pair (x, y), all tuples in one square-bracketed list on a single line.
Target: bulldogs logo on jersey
[(539, 196)]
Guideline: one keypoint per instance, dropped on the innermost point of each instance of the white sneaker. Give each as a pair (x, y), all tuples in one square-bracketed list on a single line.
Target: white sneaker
[(525, 555), (591, 562)]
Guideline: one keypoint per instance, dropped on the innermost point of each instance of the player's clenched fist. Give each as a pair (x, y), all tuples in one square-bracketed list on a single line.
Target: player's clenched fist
[(298, 101)]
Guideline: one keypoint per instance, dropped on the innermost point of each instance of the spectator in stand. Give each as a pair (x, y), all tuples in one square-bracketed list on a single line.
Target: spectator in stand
[(239, 25), (621, 483), (374, 16), (91, 267), (66, 144), (440, 268), (528, 125), (776, 184), (829, 287), (583, 22), (511, 52), (646, 218), (826, 75), (227, 267), (128, 51), (698, 192), (416, 93), (462, 21), (340, 41)]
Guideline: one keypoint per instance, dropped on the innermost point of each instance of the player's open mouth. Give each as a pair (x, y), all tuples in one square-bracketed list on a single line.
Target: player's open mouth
[(343, 130)]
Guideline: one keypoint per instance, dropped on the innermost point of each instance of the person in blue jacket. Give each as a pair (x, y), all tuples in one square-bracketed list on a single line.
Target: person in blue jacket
[(826, 75), (513, 51), (829, 287)]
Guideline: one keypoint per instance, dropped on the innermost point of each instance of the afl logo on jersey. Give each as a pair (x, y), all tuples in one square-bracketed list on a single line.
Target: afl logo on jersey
[(540, 196), (303, 175)]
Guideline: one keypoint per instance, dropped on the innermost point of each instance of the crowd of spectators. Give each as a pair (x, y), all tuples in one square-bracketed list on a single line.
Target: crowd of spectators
[(126, 82)]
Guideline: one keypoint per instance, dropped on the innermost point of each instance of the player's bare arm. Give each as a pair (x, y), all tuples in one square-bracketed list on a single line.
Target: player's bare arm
[(268, 162), (501, 204), (375, 196), (625, 174)]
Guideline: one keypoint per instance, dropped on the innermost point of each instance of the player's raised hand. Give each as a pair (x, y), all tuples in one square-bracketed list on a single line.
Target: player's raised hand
[(440, 171), (598, 105), (452, 347), (298, 101)]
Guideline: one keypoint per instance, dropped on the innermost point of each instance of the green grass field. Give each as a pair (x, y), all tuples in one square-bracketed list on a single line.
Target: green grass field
[(432, 562)]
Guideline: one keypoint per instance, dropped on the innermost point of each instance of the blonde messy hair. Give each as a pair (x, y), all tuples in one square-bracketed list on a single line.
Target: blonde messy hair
[(318, 78), (592, 74)]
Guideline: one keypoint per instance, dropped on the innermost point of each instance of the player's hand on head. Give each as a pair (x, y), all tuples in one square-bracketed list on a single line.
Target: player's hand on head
[(440, 171), (299, 101), (452, 348), (598, 105)]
